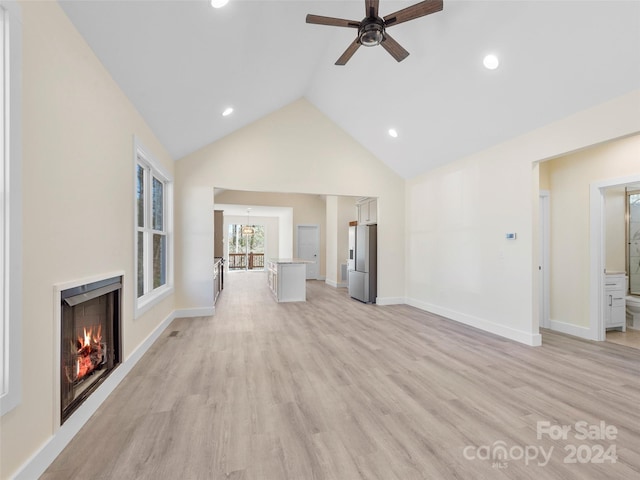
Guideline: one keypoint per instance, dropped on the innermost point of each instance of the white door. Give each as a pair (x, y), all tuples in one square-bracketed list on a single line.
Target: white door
[(309, 248)]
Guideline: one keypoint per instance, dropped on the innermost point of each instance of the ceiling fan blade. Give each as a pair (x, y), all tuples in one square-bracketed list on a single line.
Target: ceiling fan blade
[(348, 53), (371, 8), (415, 11), (394, 48), (334, 22)]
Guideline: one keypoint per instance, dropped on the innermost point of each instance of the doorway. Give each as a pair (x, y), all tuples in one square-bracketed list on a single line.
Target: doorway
[(309, 248), (598, 251)]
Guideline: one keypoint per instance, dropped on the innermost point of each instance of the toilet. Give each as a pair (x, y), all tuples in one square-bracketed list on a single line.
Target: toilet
[(633, 311)]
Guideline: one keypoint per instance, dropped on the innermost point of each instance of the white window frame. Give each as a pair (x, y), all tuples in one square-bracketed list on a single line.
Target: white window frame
[(152, 296), (11, 222), (4, 213)]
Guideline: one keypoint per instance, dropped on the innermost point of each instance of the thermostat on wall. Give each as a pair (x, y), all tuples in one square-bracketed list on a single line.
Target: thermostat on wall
[(510, 236)]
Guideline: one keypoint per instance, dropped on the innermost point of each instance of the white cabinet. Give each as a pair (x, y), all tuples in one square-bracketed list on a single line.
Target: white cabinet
[(287, 280), (218, 278), (615, 287), (367, 211)]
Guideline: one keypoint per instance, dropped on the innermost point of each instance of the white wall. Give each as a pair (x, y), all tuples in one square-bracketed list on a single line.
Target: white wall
[(78, 206), (340, 211), (296, 149), (458, 262), (285, 235), (332, 240)]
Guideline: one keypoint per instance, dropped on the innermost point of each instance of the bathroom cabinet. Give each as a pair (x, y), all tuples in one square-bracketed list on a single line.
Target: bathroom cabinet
[(615, 286)]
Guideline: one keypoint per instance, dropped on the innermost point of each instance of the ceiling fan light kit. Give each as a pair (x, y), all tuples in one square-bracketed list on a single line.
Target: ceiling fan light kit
[(371, 33), (372, 29)]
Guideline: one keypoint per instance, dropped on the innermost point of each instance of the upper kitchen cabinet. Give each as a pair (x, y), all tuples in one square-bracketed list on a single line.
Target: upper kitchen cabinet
[(367, 211)]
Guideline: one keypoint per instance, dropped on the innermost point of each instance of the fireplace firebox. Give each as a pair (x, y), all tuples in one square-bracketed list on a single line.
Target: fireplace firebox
[(90, 340)]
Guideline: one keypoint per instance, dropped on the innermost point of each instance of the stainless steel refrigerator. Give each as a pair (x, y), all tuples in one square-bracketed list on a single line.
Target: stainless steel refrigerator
[(362, 263)]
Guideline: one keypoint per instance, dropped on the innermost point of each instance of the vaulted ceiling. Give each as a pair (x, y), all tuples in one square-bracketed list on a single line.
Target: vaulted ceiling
[(181, 63)]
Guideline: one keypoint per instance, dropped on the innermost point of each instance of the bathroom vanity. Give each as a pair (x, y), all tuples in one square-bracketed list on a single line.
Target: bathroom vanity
[(615, 287)]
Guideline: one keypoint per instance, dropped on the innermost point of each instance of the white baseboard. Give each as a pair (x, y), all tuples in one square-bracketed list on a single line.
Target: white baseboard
[(531, 339), (40, 461), (194, 312), (335, 284), (390, 301), (571, 329)]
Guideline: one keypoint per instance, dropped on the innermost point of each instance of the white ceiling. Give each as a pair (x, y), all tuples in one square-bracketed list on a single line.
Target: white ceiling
[(182, 62)]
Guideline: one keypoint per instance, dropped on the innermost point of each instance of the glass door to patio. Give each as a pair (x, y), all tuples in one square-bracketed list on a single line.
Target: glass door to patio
[(246, 247)]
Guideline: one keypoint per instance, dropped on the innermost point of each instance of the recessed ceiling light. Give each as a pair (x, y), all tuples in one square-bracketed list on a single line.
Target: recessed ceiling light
[(393, 132), (219, 3), (227, 111), (491, 62)]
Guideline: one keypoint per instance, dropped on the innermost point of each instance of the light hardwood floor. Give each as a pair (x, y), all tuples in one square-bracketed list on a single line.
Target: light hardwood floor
[(630, 338), (335, 389)]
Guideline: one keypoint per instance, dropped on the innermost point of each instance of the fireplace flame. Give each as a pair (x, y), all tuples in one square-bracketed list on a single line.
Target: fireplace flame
[(98, 336), (89, 351)]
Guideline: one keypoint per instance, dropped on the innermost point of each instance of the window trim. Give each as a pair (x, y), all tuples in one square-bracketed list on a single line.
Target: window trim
[(142, 156), (4, 226), (11, 315)]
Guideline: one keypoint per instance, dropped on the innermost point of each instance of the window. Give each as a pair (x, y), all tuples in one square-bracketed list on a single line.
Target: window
[(153, 230), (10, 206), (3, 213)]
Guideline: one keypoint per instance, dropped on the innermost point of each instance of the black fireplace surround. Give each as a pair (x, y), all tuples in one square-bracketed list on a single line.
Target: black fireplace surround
[(90, 347)]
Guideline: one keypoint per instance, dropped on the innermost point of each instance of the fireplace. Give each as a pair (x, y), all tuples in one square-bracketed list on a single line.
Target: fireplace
[(90, 340)]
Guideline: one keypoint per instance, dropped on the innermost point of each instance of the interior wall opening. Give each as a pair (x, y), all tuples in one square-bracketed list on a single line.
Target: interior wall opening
[(588, 240), (280, 214)]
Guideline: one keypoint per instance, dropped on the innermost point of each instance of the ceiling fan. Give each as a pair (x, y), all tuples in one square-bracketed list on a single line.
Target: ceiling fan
[(372, 29)]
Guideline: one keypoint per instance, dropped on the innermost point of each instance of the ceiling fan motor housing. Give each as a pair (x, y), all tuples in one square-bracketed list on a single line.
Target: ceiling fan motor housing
[(371, 32)]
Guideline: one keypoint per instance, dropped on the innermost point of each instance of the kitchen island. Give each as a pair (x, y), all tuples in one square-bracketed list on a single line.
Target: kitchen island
[(287, 279)]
